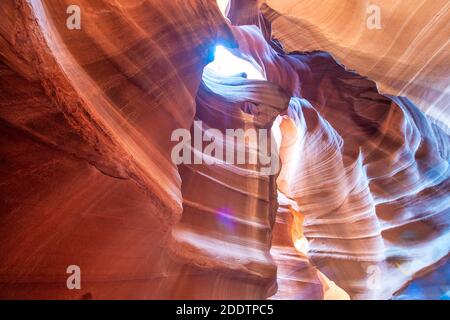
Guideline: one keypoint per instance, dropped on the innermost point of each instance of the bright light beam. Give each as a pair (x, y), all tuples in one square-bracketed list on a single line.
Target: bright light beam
[(227, 64), (223, 4)]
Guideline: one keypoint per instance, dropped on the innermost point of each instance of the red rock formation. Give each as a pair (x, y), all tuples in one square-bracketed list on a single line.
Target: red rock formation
[(87, 176), (407, 56)]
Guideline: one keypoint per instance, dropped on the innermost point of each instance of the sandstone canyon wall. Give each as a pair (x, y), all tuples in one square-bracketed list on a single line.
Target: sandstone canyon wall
[(357, 206)]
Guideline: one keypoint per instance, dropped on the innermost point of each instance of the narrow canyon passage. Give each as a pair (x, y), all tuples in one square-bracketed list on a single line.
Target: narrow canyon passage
[(201, 149)]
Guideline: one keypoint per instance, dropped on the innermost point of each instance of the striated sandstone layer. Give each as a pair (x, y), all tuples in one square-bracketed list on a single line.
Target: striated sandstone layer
[(407, 55), (356, 208)]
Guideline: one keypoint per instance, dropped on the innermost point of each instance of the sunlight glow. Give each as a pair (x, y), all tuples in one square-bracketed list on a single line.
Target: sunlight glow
[(227, 64), (223, 4)]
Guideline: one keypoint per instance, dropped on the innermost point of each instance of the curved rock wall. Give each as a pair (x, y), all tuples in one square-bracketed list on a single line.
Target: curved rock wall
[(407, 55), (87, 176)]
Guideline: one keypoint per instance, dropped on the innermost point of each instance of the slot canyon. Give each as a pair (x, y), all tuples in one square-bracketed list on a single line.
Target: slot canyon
[(352, 198)]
